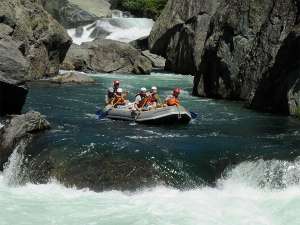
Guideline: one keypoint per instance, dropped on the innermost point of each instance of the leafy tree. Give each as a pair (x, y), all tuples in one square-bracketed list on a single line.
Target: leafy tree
[(149, 8)]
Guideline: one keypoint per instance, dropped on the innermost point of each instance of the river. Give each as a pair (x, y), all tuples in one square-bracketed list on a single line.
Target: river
[(230, 166)]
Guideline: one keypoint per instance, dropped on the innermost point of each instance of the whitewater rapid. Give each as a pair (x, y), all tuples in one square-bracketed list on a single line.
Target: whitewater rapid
[(249, 194), (117, 28)]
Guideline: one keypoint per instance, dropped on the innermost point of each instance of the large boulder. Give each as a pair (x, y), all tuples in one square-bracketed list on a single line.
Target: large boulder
[(20, 129), (74, 13), (236, 49), (106, 56), (13, 68), (38, 36), (180, 32), (72, 77)]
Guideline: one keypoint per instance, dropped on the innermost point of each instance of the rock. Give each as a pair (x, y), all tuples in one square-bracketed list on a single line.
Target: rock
[(96, 172), (13, 69), (74, 13), (180, 32), (240, 50), (39, 37), (72, 77), (156, 60), (19, 128), (106, 56), (141, 43)]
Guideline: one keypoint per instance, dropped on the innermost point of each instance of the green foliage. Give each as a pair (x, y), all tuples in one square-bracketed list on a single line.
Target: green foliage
[(150, 8)]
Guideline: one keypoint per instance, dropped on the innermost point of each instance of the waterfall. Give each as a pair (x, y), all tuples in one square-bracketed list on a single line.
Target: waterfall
[(12, 172), (116, 28)]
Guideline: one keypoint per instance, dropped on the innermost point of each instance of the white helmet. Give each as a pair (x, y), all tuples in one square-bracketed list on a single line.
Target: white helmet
[(119, 90), (143, 89), (154, 89)]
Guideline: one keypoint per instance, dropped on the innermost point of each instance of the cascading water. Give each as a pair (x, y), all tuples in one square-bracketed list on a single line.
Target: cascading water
[(233, 202), (116, 28), (12, 172)]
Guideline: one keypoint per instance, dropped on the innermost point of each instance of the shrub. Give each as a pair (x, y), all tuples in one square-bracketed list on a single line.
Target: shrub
[(149, 8)]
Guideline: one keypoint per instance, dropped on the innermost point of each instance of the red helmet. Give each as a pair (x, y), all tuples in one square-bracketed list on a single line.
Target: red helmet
[(116, 82), (177, 91)]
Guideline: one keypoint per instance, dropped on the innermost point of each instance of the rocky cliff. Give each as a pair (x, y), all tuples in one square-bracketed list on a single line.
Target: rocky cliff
[(238, 49), (40, 39)]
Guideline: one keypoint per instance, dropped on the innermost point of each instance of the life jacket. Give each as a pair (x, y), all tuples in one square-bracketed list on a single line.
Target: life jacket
[(173, 101), (144, 102), (118, 100), (153, 98)]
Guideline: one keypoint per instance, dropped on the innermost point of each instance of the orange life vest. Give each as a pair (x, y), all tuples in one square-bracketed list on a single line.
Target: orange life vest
[(173, 101), (144, 102), (118, 100), (153, 98)]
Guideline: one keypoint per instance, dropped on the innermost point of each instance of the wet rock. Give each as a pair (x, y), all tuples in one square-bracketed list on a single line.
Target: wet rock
[(106, 56), (156, 60), (72, 77), (13, 69), (141, 43), (39, 37), (19, 128), (241, 50)]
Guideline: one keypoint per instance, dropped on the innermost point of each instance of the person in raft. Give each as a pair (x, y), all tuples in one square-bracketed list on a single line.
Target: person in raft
[(173, 100), (109, 96), (116, 85), (118, 99), (142, 100), (154, 97)]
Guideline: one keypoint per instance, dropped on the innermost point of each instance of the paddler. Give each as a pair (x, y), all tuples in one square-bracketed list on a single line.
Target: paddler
[(118, 99), (109, 96), (116, 85), (173, 100), (142, 101), (154, 97)]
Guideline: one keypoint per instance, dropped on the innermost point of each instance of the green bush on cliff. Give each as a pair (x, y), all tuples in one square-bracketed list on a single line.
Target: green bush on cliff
[(148, 8)]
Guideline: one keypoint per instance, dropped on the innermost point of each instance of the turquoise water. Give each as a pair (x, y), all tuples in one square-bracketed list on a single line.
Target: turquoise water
[(230, 166)]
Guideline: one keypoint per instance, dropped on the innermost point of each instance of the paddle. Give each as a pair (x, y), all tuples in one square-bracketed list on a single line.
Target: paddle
[(194, 115), (100, 114)]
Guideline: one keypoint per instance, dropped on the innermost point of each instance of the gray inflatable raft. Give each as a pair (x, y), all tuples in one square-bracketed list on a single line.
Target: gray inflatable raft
[(165, 115)]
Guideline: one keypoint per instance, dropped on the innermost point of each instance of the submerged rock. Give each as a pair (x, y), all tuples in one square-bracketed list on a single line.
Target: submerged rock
[(236, 49), (72, 77), (98, 173), (19, 128), (106, 56), (38, 36)]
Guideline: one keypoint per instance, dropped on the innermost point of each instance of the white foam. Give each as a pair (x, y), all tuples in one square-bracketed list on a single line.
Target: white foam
[(233, 202), (119, 29)]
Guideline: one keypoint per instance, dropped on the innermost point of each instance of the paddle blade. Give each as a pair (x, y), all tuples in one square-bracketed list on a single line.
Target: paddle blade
[(194, 115), (100, 115)]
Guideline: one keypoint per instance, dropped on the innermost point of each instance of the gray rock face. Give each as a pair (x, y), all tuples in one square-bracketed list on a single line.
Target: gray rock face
[(236, 49), (74, 13), (106, 56), (19, 128), (38, 36), (156, 60), (72, 77), (180, 32), (13, 68)]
